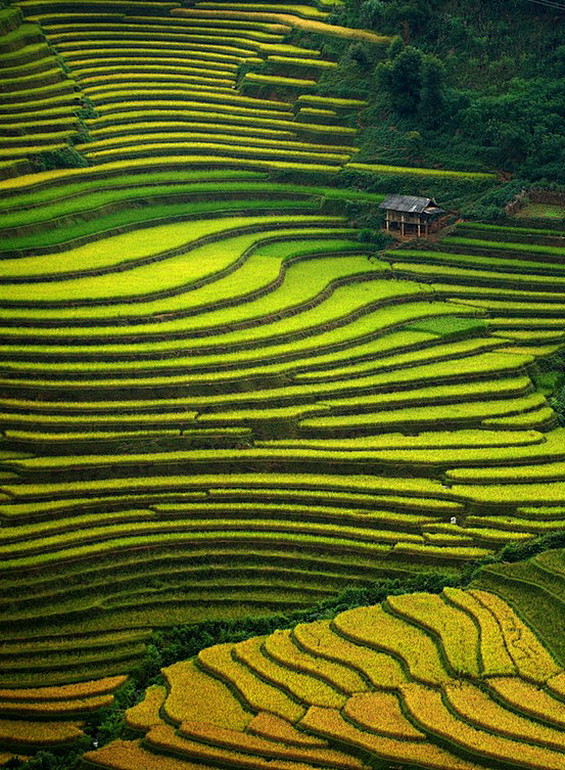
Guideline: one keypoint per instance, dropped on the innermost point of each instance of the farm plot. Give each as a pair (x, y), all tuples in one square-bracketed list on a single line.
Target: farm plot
[(32, 82), (216, 401), (135, 62), (382, 679), (185, 411)]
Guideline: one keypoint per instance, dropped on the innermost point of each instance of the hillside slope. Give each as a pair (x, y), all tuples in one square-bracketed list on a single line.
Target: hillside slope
[(453, 681), (219, 398)]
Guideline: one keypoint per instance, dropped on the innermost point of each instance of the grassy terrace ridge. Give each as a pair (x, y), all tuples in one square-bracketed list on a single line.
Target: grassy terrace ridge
[(30, 71), (73, 203), (484, 244), (42, 192), (204, 137), (297, 16), (245, 282), (492, 262), (162, 214), (380, 168), (239, 365)]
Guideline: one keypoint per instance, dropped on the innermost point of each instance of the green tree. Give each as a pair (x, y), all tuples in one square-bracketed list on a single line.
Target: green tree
[(401, 78), (431, 107), (406, 17)]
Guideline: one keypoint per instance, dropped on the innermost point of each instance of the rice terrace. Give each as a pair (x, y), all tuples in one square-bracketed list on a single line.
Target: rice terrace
[(282, 402)]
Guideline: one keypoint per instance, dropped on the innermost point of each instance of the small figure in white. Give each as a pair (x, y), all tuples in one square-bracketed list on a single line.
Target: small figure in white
[(453, 520)]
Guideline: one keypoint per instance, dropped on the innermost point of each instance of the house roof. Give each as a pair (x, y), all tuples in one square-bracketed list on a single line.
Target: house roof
[(410, 203)]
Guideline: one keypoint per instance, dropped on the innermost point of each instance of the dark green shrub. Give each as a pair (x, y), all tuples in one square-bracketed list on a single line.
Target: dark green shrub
[(64, 157)]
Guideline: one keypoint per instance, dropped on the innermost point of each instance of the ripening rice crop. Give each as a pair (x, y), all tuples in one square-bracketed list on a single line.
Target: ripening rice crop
[(532, 660), (476, 707), (129, 755), (556, 685), (456, 632), (301, 687), (281, 646), (212, 388), (494, 657), (211, 699), (255, 692), (330, 723), (262, 747), (279, 730), (382, 631), (427, 709), (147, 713), (455, 724), (521, 697), (27, 734), (163, 739), (79, 690), (372, 668), (380, 712)]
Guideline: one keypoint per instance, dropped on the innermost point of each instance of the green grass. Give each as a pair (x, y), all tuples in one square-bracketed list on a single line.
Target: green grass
[(189, 98), (440, 416), (177, 123), (20, 81), (331, 101), (100, 189), (315, 64), (542, 211), (469, 275), (447, 326), (111, 59), (95, 200), (195, 539), (13, 40), (514, 525), (197, 139), (204, 67), (143, 216), (39, 141), (306, 11), (42, 193), (260, 268), (279, 80), (326, 346), (423, 442), (543, 609), (550, 471), (128, 110), (41, 124), (384, 169), (25, 54), (344, 303), (494, 263), (538, 248), (248, 33), (409, 487), (303, 284), (225, 151), (100, 392), (507, 232)]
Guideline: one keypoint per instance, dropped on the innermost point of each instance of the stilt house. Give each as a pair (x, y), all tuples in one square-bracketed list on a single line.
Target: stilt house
[(411, 215)]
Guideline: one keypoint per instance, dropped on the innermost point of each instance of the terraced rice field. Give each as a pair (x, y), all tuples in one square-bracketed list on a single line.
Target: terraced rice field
[(216, 401), (453, 681), (38, 100), (163, 82)]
